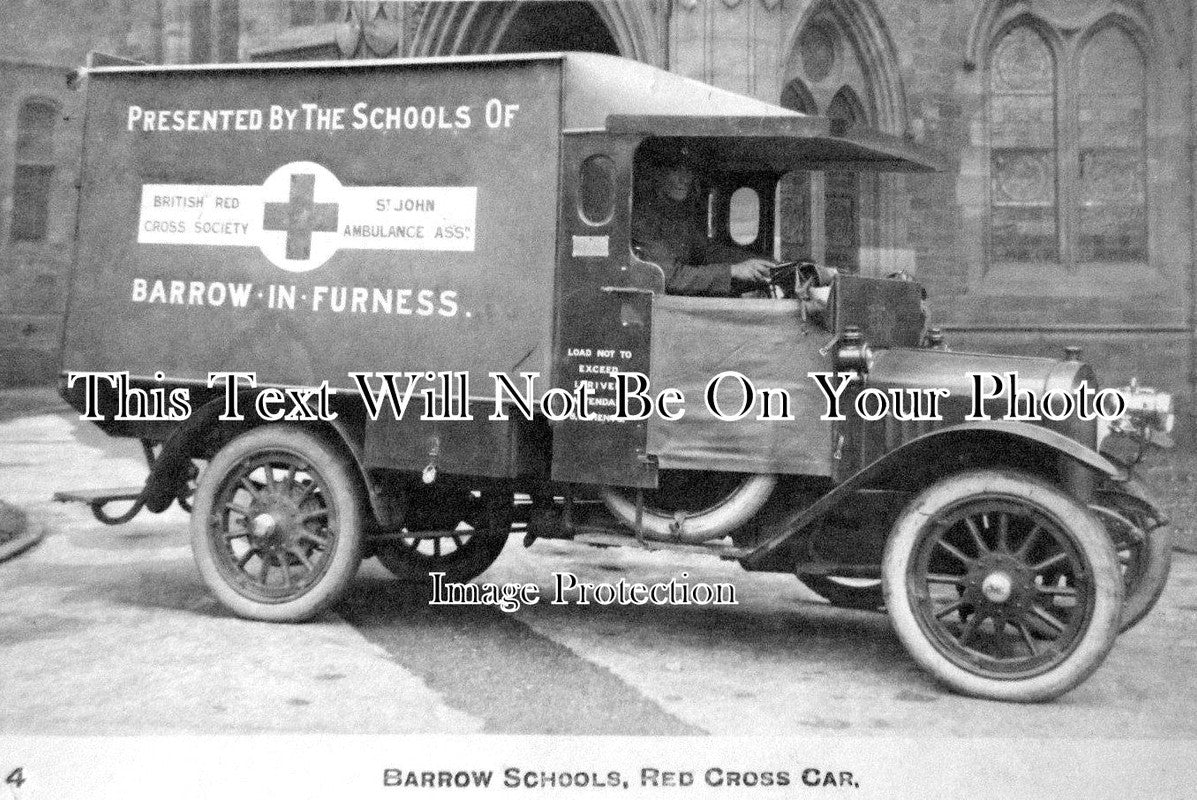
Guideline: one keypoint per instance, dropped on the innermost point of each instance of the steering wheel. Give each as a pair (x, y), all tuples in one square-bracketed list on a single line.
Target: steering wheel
[(781, 285), (795, 280)]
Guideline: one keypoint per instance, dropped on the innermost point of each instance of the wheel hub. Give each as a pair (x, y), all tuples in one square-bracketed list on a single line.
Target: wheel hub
[(997, 587), (998, 582), (274, 520), (264, 524)]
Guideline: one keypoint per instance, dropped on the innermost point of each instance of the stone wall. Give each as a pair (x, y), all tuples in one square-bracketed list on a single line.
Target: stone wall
[(44, 42), (922, 71)]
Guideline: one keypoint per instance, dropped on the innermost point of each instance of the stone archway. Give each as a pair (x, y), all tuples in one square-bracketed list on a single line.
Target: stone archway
[(617, 27), (540, 26), (841, 62), (835, 33), (849, 197)]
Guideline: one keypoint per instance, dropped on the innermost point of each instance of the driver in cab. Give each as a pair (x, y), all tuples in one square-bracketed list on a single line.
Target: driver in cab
[(669, 229)]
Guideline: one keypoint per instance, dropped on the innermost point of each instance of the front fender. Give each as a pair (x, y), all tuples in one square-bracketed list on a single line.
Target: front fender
[(1026, 432), (1003, 437)]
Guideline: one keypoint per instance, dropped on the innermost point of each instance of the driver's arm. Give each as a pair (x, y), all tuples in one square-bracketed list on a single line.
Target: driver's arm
[(706, 280), (747, 270), (698, 280), (722, 271), (712, 280), (702, 280)]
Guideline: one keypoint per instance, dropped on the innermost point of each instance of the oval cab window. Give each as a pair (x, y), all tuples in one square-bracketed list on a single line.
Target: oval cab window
[(596, 190), (744, 213)]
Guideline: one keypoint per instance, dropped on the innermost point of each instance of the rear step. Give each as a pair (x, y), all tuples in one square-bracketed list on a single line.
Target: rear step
[(161, 488)]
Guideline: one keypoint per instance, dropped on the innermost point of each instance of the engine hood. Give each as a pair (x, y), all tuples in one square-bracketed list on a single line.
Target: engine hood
[(901, 368)]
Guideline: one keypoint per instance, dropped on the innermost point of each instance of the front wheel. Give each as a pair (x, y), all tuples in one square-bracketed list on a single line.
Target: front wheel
[(1002, 586), (277, 524)]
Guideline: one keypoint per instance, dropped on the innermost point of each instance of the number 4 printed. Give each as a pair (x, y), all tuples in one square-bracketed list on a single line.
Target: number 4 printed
[(16, 779)]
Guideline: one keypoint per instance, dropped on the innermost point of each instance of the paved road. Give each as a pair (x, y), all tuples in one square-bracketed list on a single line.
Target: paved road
[(109, 630)]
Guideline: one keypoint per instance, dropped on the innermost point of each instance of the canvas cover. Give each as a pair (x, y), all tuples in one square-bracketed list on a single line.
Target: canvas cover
[(694, 340)]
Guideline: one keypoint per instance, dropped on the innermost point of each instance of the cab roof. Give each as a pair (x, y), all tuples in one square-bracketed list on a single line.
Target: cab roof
[(599, 86), (618, 95)]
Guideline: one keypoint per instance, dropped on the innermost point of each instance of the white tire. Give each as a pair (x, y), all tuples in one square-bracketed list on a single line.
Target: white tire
[(1002, 586), (276, 525)]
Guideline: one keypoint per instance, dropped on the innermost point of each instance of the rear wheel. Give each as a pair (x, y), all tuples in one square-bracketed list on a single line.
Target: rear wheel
[(1002, 586), (1144, 554), (276, 527), (474, 528)]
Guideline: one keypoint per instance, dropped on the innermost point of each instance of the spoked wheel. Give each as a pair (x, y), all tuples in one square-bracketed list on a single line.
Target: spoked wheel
[(1144, 550), (464, 551), (863, 594), (1002, 586), (276, 524)]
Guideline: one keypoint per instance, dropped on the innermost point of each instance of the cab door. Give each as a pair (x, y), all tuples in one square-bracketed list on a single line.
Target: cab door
[(603, 305)]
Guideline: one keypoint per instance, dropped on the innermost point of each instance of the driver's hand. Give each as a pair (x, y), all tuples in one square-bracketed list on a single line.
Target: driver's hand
[(752, 270)]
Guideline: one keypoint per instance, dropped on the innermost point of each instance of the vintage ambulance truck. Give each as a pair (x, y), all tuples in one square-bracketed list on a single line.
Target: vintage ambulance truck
[(434, 219)]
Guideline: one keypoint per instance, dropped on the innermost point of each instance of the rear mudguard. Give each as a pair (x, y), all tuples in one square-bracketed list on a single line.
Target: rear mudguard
[(1086, 464), (168, 473)]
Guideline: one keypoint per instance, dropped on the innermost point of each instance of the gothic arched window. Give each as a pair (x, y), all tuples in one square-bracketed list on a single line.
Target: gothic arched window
[(1022, 149), (830, 216), (1112, 213), (842, 204), (794, 189), (1067, 147), (33, 178)]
